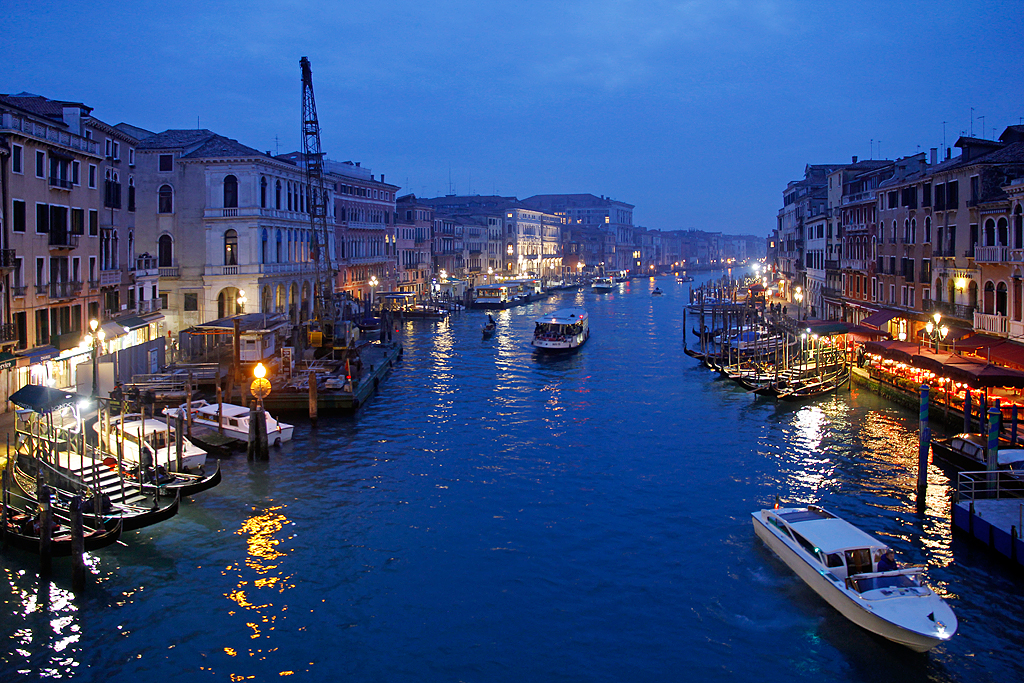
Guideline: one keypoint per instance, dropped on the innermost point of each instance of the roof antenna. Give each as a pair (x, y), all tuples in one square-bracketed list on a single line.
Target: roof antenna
[(197, 122)]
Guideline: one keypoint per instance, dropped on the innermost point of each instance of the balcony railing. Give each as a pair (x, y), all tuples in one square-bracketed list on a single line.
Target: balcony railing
[(996, 324), (958, 311), (831, 265), (7, 258), (64, 290), (991, 254), (10, 121), (63, 240), (18, 290), (944, 253), (168, 271), (60, 183), (110, 277), (8, 332)]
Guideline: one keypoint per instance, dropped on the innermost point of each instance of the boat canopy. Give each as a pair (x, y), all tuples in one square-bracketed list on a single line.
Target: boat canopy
[(229, 410), (563, 316), (831, 535)]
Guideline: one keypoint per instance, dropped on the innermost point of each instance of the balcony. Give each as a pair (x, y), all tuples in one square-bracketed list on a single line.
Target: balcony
[(94, 284), (64, 290), (831, 265), (991, 254), (18, 290), (994, 324), (168, 271), (110, 277), (10, 121), (8, 332), (7, 259), (145, 266), (958, 311), (62, 240), (60, 183), (944, 253)]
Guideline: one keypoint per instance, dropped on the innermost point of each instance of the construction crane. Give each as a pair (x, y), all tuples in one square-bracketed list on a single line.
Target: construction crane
[(325, 306)]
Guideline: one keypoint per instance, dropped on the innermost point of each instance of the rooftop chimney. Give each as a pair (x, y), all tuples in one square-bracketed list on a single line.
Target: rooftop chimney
[(934, 155), (949, 153), (854, 158)]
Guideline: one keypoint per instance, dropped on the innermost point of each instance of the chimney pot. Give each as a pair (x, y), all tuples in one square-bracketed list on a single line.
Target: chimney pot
[(854, 158), (949, 153)]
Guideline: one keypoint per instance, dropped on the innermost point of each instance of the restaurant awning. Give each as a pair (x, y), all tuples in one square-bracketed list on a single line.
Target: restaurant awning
[(39, 354), (42, 399), (879, 318), (893, 350), (7, 360)]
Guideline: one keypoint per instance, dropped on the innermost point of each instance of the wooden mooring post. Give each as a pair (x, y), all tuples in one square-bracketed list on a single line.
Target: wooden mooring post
[(312, 398), (925, 439), (77, 545)]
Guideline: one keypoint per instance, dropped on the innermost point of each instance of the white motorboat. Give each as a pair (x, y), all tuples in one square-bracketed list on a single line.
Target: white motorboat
[(562, 330), (840, 563), (234, 421), (159, 447), (602, 284)]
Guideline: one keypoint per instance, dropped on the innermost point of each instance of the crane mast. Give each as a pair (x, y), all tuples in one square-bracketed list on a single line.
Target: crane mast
[(324, 306)]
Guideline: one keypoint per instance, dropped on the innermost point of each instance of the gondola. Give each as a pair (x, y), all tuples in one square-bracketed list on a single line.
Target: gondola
[(488, 330), (134, 514), (815, 389), (182, 483), (17, 535)]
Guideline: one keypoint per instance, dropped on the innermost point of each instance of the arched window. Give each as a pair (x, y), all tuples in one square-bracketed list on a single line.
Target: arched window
[(230, 248), (277, 195), (230, 192), (279, 254), (1002, 233), (131, 193), (906, 230), (165, 199), (928, 229), (1018, 228), (1001, 299), (131, 248), (894, 228), (913, 231), (990, 233), (263, 247), (938, 289), (165, 251), (263, 192), (990, 299)]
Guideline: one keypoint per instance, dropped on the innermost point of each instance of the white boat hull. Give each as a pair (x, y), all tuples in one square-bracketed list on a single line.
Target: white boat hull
[(848, 603)]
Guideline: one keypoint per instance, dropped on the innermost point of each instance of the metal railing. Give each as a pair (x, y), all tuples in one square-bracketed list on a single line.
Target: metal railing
[(62, 240), (64, 290), (62, 183), (989, 485), (959, 311)]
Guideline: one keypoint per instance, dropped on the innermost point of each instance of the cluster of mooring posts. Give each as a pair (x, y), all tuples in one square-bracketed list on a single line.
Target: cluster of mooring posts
[(68, 489), (766, 353)]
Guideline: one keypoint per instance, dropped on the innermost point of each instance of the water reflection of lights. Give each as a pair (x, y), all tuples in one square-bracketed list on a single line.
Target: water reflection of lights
[(263, 547)]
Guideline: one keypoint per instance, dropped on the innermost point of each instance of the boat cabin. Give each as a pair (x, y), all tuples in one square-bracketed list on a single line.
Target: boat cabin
[(492, 294), (838, 547)]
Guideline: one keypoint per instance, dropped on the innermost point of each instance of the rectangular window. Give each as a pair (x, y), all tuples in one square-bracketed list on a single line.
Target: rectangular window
[(910, 296), (77, 221), (117, 151), (76, 172), (892, 294), (94, 222), (166, 163), (16, 159), (940, 197), (926, 195), (975, 188), (953, 195), (92, 270), (131, 156), (40, 271), (92, 176), (106, 148), (42, 327), (42, 219), (191, 302), (40, 164), (163, 300), (18, 217)]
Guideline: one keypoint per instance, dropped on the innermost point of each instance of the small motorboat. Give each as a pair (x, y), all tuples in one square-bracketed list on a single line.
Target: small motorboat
[(847, 567), (657, 292)]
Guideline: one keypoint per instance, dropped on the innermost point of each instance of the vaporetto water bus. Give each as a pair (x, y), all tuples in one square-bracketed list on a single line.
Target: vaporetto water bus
[(841, 564), (562, 330), (602, 284)]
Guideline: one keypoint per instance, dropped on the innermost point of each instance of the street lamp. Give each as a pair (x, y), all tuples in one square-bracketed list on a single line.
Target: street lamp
[(241, 301), (97, 336), (936, 332), (798, 296), (373, 284), (260, 386)]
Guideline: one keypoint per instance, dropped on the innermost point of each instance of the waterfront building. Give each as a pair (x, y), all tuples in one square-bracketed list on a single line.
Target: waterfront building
[(69, 249), (229, 225), (413, 227), (612, 217), (851, 195), (364, 220), (802, 200)]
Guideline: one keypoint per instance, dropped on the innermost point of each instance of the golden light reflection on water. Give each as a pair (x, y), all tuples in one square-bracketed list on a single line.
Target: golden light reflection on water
[(261, 581)]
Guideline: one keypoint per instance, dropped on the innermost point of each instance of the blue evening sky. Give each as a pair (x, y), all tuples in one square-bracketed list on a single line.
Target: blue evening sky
[(698, 112)]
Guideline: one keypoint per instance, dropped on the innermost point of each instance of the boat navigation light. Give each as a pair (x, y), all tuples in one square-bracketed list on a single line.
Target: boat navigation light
[(260, 372)]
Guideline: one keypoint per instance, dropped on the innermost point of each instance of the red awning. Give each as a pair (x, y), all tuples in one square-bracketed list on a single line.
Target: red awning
[(879, 318)]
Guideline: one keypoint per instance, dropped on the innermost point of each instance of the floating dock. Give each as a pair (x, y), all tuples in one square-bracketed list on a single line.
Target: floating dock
[(990, 509)]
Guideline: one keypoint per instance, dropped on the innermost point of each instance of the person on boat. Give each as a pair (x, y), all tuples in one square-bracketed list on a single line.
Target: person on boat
[(887, 562), (490, 319)]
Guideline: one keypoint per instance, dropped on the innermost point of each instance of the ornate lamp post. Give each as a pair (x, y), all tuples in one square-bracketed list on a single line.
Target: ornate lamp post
[(373, 286), (97, 336), (241, 301), (935, 332), (798, 297), (260, 386)]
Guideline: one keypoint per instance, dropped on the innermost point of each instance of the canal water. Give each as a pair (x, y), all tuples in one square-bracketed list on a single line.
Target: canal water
[(496, 516)]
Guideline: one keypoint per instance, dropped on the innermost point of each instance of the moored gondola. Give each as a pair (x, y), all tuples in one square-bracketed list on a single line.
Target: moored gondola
[(20, 533)]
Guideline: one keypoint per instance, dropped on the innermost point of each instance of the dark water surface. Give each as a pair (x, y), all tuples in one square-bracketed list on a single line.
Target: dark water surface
[(494, 516)]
